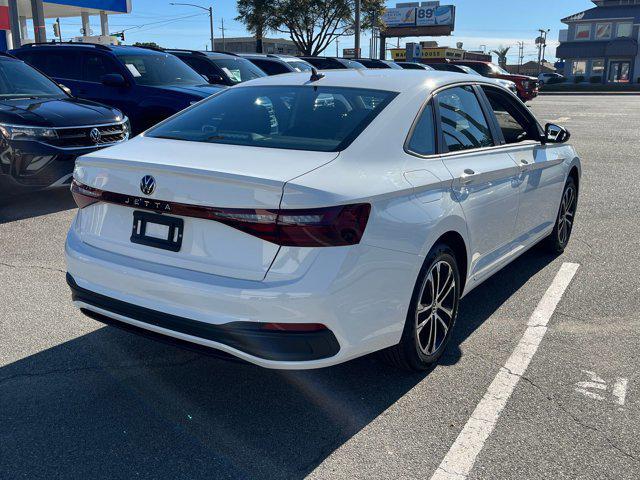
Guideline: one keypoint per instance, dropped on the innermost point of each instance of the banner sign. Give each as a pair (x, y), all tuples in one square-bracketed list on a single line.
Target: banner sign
[(399, 17), (444, 15), (428, 16)]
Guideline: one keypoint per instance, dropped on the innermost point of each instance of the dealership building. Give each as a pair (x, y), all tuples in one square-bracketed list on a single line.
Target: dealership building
[(601, 44)]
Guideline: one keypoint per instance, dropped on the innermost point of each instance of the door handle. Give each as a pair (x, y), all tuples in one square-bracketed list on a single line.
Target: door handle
[(524, 165), (467, 176)]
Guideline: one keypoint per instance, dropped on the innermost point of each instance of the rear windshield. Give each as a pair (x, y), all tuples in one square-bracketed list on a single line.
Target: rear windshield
[(325, 119)]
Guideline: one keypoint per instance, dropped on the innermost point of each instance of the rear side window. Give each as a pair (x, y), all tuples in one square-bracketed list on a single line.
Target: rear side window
[(423, 138), (96, 66), (464, 125), (57, 64), (325, 119)]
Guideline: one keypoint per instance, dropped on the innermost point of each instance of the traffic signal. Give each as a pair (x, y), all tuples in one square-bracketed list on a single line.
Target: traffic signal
[(56, 29)]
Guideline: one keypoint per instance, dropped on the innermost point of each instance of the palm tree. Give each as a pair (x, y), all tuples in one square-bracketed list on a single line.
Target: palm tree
[(501, 52), (258, 17)]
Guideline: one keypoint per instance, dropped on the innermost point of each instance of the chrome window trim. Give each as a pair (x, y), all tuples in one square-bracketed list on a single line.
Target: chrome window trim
[(471, 151)]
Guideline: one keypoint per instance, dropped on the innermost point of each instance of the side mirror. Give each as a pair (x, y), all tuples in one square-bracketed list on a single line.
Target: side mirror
[(113, 80), (214, 78), (555, 134), (66, 89)]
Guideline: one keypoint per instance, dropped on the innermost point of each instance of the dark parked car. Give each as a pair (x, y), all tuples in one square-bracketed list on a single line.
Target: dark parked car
[(413, 66), (43, 129), (219, 68), (377, 63), (146, 84), (333, 63), (527, 87), (277, 64)]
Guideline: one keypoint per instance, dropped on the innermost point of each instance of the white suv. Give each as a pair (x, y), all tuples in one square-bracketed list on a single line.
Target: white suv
[(304, 220)]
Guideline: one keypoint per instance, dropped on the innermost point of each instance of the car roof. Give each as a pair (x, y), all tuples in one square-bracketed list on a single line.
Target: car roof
[(81, 45), (381, 79), (199, 53)]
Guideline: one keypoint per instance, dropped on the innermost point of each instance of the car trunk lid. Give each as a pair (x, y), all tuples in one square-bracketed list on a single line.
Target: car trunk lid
[(194, 174)]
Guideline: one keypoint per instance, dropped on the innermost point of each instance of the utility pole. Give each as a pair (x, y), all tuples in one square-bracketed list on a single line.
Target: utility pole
[(210, 10), (337, 47), (224, 45), (357, 28), (520, 55), (541, 42)]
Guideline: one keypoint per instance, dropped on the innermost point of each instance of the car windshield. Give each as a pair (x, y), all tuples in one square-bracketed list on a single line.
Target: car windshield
[(19, 80), (238, 69), (353, 64), (299, 65), (499, 70), (156, 69), (325, 119), (468, 70)]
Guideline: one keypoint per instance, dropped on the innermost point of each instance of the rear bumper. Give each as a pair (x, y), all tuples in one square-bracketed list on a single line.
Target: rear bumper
[(246, 337), (361, 294)]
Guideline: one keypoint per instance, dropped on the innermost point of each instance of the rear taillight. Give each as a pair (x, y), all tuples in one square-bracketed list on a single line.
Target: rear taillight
[(316, 227), (84, 195)]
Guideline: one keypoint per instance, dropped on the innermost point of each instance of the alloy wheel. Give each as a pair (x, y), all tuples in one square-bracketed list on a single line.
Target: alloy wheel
[(436, 307), (567, 214)]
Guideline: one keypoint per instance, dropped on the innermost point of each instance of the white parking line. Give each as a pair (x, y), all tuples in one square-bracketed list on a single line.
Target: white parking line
[(458, 462)]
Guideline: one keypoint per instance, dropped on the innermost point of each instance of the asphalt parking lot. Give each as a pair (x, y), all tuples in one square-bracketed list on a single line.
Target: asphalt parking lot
[(80, 400)]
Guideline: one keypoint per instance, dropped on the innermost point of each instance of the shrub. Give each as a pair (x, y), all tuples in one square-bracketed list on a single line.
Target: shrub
[(578, 79), (596, 79)]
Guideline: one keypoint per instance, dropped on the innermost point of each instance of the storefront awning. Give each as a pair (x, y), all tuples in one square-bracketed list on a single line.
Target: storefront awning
[(620, 47)]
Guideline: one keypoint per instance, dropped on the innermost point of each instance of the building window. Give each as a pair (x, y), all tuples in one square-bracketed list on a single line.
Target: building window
[(578, 67), (625, 29), (597, 67), (583, 31), (603, 31)]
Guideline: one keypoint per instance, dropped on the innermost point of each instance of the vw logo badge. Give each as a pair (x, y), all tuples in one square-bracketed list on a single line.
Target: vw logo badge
[(95, 135), (147, 184)]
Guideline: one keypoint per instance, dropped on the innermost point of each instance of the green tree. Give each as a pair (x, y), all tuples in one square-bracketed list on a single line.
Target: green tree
[(501, 52), (259, 17), (147, 44), (314, 24)]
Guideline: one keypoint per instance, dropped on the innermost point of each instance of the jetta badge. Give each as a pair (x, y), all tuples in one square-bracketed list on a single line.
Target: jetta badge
[(147, 184), (95, 135)]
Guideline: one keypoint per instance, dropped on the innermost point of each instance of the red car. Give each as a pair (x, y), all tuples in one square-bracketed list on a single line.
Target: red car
[(527, 86)]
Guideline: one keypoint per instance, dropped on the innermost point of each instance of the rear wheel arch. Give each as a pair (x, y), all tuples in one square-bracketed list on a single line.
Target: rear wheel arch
[(575, 174), (456, 243)]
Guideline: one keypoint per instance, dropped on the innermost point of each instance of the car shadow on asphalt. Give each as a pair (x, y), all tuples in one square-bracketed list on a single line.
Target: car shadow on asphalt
[(36, 204), (113, 405)]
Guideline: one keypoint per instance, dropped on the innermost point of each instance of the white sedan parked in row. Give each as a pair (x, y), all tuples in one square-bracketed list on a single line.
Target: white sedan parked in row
[(299, 222)]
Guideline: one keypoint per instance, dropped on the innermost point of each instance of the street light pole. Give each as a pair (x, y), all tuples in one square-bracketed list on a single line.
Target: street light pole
[(357, 28), (210, 10)]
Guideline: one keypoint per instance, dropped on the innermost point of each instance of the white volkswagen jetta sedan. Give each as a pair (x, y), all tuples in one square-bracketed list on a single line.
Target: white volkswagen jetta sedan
[(301, 221)]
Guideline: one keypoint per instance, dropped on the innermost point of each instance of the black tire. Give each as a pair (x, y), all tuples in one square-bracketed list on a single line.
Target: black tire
[(411, 354), (561, 234)]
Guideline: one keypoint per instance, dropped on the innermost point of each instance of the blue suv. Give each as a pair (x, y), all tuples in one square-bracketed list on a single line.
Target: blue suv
[(146, 84)]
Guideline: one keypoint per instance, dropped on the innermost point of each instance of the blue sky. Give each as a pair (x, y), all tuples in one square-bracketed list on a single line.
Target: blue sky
[(479, 22)]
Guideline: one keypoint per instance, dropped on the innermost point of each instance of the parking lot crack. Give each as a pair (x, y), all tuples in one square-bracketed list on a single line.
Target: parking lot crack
[(39, 267), (562, 408)]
